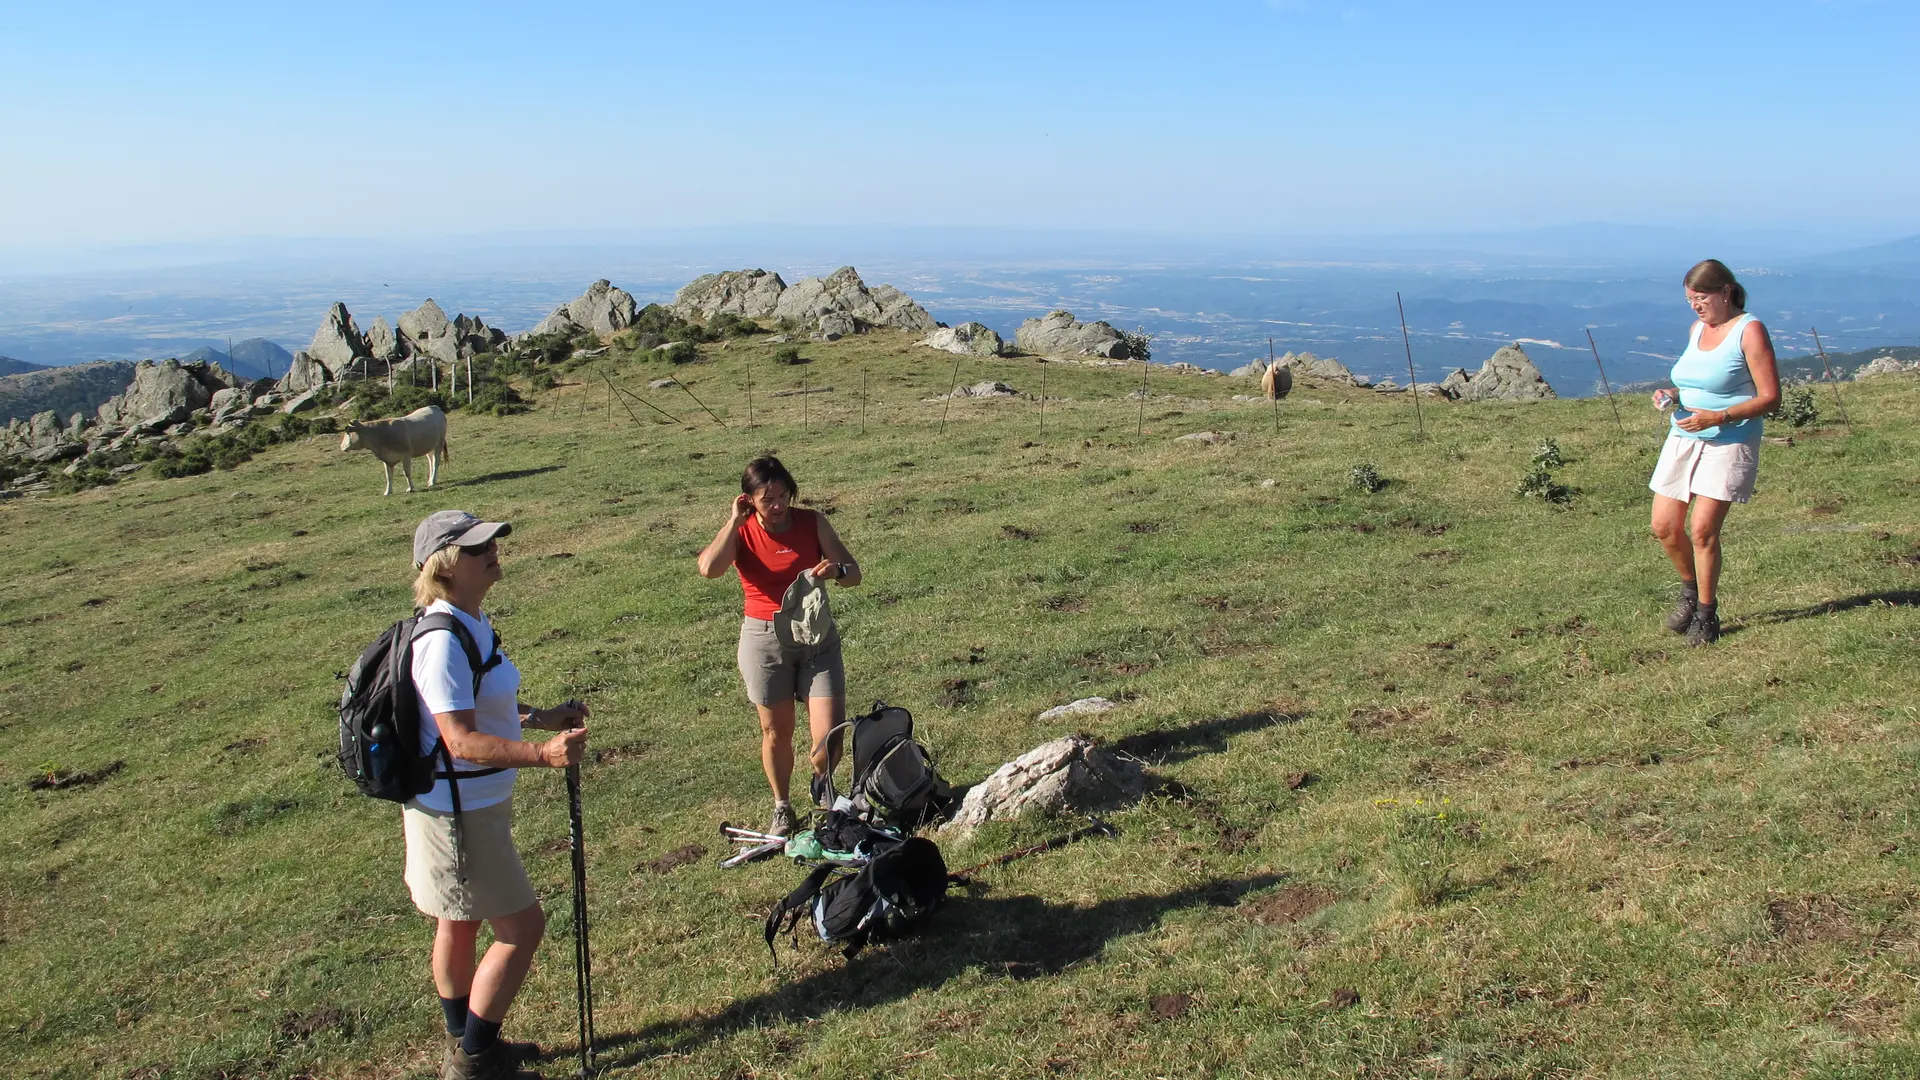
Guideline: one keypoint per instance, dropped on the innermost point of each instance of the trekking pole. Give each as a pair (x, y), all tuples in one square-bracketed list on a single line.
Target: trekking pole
[(1603, 382), (1835, 383), (1408, 342), (582, 955)]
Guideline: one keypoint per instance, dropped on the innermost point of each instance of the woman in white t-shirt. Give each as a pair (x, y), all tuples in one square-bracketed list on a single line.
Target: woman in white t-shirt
[(463, 869)]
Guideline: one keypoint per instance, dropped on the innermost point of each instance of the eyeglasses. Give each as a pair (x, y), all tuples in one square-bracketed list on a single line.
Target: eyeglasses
[(478, 549)]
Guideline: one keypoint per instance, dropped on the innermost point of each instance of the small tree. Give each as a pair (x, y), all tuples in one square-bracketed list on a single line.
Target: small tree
[(1139, 343)]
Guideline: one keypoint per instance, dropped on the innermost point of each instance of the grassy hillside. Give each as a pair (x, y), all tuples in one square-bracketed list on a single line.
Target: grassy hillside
[(1450, 803)]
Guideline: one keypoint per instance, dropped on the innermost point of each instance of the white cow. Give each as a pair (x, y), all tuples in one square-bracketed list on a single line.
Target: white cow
[(420, 433)]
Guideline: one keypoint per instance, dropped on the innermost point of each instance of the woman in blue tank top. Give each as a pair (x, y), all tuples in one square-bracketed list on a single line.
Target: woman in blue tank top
[(1725, 382)]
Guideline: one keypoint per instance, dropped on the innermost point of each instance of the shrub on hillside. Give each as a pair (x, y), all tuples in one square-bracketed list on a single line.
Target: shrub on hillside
[(1139, 344), (788, 354), (1797, 406), (1538, 483), (1366, 477), (1547, 455)]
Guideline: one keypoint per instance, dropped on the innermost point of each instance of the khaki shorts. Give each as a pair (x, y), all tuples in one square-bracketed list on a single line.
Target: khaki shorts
[(773, 673), (496, 883), (1689, 467)]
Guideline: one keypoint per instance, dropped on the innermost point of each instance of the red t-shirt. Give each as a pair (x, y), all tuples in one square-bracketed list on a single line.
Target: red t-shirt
[(769, 563)]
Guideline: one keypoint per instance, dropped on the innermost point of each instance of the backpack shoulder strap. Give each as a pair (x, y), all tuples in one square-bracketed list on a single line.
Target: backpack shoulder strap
[(441, 620), (787, 912)]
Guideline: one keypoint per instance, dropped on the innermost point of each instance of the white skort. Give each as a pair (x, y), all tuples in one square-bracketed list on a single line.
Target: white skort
[(1689, 467)]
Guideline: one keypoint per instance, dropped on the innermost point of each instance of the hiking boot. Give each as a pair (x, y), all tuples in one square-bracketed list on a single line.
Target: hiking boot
[(518, 1051), (822, 786), (496, 1062), (1681, 617), (1705, 627), (785, 823)]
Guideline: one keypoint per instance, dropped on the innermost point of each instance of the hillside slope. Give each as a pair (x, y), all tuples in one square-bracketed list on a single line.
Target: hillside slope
[(1449, 801), (80, 388)]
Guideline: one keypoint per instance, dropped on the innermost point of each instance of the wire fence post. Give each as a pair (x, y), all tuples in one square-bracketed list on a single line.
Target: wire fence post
[(952, 385), (702, 404), (806, 406), (863, 400), (1835, 383), (749, 396), (1603, 382), (1140, 425), (1043, 399), (1408, 342)]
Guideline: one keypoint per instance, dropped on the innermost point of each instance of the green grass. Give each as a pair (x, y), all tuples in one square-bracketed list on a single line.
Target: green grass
[(1652, 861)]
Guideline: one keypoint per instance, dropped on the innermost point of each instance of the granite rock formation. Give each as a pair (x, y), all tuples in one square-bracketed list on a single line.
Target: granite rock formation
[(968, 339), (1057, 333)]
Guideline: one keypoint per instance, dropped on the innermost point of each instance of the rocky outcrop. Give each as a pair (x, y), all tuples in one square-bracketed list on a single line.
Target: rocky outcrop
[(841, 303), (426, 331), (167, 389), (303, 374), (988, 389), (968, 339), (383, 343), (1057, 334), (1884, 365), (1508, 375), (1325, 369), (80, 388), (751, 294), (1066, 775), (602, 309), (338, 344)]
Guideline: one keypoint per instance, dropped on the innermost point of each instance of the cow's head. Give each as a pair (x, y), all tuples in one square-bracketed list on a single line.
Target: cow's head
[(351, 440)]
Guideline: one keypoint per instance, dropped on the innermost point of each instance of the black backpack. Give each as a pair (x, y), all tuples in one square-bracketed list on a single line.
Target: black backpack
[(380, 714), (901, 885), (893, 775)]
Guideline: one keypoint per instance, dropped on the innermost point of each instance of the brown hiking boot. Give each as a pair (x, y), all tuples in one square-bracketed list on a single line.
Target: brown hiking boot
[(496, 1062), (518, 1051), (1681, 617), (784, 823)]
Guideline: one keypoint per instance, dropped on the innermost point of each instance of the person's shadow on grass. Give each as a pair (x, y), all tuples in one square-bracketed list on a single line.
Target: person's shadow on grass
[(1019, 937), (1894, 597)]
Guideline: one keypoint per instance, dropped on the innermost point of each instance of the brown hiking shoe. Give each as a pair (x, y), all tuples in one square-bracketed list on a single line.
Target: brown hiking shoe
[(518, 1051), (1681, 617), (496, 1062), (784, 822)]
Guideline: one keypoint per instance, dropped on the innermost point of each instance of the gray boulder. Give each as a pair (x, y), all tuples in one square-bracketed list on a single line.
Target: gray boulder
[(1065, 775), (1207, 438), (1252, 370), (1325, 369), (968, 339), (427, 332), (162, 389), (602, 309), (338, 344), (1506, 376), (988, 389), (810, 301), (751, 294), (302, 374), (300, 403), (1058, 334), (835, 325), (1883, 365), (382, 343)]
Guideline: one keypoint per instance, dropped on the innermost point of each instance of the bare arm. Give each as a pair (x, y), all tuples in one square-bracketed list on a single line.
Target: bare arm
[(494, 752), (834, 554), (561, 717), (720, 554)]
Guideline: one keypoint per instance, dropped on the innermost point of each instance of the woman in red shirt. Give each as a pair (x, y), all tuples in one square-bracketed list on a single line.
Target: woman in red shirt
[(769, 542)]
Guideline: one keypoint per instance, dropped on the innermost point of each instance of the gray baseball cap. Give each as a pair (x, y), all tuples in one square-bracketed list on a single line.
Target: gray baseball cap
[(452, 528)]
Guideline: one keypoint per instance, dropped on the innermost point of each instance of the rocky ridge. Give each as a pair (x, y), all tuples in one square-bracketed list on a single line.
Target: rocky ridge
[(1058, 333), (1507, 375), (828, 308)]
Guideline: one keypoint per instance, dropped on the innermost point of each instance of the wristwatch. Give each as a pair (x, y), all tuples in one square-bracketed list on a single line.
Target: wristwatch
[(841, 570)]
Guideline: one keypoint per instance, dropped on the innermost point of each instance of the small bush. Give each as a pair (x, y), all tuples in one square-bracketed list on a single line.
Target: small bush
[(788, 354), (728, 325), (1139, 344), (1538, 483), (1797, 406), (1366, 477), (679, 352), (1547, 455)]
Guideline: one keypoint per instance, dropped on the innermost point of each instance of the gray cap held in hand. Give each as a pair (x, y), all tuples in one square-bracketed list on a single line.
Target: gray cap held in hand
[(452, 528)]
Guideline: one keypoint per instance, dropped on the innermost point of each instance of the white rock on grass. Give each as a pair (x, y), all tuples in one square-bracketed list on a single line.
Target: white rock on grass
[(1086, 706), (1068, 774), (1210, 438)]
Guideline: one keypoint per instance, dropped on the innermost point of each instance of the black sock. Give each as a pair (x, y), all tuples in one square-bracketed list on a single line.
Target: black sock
[(1712, 609), (455, 1010), (481, 1035), (1690, 590)]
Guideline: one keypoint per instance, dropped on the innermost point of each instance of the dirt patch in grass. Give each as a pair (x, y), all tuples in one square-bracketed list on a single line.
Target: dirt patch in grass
[(305, 1025), (1069, 603), (1800, 920), (954, 693), (1170, 1006), (1441, 555), (1368, 719), (1289, 905), (614, 755), (1015, 532), (676, 858), (60, 779), (1343, 998), (1143, 526)]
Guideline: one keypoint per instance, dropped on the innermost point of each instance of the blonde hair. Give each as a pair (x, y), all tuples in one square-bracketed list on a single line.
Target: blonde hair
[(432, 582)]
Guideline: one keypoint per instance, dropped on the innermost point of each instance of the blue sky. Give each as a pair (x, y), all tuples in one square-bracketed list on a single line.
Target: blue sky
[(144, 123)]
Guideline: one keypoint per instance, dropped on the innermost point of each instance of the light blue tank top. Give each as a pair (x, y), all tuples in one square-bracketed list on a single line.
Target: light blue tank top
[(1716, 379)]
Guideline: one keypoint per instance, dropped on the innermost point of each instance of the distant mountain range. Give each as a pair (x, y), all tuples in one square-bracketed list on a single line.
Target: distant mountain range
[(10, 366), (256, 358)]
